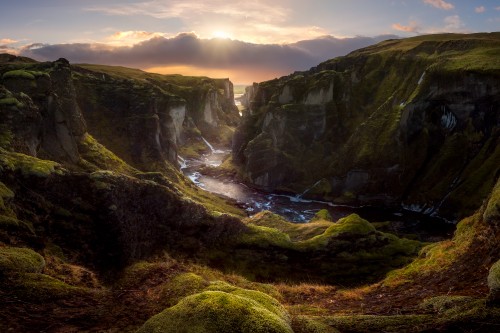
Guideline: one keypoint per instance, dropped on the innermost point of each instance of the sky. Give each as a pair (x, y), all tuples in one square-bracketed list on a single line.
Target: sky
[(247, 41)]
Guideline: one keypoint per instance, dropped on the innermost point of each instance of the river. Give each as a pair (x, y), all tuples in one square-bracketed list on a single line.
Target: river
[(299, 210)]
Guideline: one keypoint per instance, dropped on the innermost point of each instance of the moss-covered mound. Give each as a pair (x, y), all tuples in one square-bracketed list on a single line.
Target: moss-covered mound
[(216, 311), (349, 251), (20, 260), (494, 282)]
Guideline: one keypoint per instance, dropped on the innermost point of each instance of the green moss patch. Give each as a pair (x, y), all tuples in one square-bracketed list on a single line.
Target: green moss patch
[(347, 251), (181, 286), (43, 288), (322, 214), (18, 74), (494, 279), (28, 165), (438, 256), (216, 311), (98, 155), (296, 231), (20, 260), (492, 211)]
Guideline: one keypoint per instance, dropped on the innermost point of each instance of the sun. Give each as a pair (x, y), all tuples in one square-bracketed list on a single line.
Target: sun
[(221, 34)]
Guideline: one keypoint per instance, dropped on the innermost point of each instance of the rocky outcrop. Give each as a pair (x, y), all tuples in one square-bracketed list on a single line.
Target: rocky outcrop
[(39, 108), (380, 126)]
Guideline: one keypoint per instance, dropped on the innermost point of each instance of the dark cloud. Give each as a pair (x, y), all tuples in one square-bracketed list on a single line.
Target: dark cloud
[(188, 50)]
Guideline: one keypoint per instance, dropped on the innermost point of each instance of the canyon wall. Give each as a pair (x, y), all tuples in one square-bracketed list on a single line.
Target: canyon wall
[(412, 123)]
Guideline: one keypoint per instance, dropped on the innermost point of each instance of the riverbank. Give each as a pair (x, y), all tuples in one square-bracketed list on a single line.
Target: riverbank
[(204, 173)]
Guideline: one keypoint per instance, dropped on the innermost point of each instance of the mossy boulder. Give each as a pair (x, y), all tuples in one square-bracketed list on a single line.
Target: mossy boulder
[(242, 311), (494, 282), (20, 260)]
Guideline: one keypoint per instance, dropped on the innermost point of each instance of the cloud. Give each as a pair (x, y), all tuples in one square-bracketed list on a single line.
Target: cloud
[(412, 27), (441, 4), (256, 21), (122, 38), (497, 8), (480, 9), (257, 9), (453, 23), (187, 50), (7, 41)]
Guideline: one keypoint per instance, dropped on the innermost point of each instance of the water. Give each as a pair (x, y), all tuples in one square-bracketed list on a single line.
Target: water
[(300, 210)]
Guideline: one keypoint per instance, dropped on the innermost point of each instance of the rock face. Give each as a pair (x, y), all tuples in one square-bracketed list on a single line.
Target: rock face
[(380, 126), (39, 106), (44, 140), (145, 118)]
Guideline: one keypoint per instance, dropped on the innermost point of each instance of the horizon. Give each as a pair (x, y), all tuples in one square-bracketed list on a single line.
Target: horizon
[(245, 42)]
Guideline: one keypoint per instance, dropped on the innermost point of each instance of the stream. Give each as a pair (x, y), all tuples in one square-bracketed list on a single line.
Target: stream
[(299, 210)]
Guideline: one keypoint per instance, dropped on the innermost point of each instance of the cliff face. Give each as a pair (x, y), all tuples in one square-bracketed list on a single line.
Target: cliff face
[(145, 118), (41, 110), (410, 122), (60, 185)]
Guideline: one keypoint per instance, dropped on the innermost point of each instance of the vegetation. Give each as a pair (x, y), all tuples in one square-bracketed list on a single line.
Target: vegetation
[(20, 260), (116, 239), (216, 311), (27, 165)]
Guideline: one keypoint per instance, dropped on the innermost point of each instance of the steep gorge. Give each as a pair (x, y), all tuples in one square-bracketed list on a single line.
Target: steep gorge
[(99, 231), (408, 123)]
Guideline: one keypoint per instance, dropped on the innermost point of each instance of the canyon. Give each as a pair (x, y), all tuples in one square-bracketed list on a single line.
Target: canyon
[(101, 231)]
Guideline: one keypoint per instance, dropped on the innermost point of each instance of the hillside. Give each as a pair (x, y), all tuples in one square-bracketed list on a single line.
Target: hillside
[(410, 123), (101, 232)]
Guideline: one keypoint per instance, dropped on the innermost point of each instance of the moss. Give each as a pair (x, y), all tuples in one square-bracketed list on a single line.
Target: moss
[(322, 214), (6, 135), (265, 236), (5, 192), (438, 256), (28, 165), (44, 288), (181, 286), (296, 231), (492, 211), (352, 224), (441, 304), (20, 260), (5, 195), (18, 74), (373, 323), (303, 324), (217, 311), (8, 222), (100, 156), (494, 278), (11, 102)]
